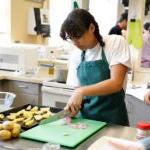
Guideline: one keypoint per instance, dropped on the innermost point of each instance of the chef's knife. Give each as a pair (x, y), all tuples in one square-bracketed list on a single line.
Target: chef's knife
[(55, 117)]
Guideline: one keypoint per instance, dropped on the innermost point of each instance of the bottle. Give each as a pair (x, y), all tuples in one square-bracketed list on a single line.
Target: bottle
[(52, 59), (51, 69), (143, 129)]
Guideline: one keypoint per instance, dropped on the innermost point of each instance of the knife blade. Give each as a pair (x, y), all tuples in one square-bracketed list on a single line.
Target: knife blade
[(55, 117)]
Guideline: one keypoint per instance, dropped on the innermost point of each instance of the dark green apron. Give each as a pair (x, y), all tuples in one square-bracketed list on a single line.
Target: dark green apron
[(110, 108)]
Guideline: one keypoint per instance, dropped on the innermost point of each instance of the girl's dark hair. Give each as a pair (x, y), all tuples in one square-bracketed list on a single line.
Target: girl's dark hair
[(77, 23)]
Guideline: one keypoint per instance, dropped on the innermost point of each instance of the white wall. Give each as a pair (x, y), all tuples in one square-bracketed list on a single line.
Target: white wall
[(5, 26), (58, 13), (105, 13), (147, 18)]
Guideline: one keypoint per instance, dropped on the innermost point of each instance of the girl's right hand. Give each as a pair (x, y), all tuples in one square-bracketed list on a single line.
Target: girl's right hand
[(74, 103)]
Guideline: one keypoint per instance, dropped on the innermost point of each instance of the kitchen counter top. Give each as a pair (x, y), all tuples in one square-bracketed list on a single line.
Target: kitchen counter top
[(110, 130), (37, 78), (138, 91)]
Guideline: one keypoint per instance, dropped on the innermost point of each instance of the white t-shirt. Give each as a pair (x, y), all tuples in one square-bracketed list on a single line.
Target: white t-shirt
[(116, 51)]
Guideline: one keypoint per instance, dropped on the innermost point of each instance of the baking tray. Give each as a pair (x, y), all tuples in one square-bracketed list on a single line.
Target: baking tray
[(16, 109)]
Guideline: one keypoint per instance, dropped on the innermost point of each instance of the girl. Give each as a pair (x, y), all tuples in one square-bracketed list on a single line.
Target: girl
[(98, 68)]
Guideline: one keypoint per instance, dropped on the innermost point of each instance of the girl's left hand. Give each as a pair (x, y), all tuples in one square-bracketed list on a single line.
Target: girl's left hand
[(147, 98), (74, 103)]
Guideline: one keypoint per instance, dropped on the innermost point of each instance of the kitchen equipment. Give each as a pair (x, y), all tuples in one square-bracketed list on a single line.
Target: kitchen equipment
[(23, 107), (51, 146), (60, 73), (38, 21), (55, 94), (59, 115), (6, 98), (19, 57), (57, 132)]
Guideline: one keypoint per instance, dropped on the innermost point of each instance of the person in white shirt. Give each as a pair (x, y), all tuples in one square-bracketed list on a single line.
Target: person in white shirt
[(97, 69), (145, 52)]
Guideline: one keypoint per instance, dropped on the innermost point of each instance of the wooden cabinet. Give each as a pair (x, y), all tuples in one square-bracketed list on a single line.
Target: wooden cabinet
[(137, 110), (25, 92)]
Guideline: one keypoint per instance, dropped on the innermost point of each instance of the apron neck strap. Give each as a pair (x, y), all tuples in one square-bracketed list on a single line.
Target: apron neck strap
[(83, 56), (104, 56)]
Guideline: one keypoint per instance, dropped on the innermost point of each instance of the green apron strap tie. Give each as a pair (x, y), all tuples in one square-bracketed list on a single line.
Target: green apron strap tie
[(83, 56), (104, 56)]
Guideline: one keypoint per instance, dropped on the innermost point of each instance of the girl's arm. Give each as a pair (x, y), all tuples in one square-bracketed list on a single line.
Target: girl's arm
[(112, 85)]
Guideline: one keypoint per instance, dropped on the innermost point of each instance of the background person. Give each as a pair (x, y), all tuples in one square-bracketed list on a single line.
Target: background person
[(121, 26), (145, 53)]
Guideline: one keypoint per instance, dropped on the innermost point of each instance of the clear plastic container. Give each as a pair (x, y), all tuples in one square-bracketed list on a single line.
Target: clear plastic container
[(6, 99), (51, 146)]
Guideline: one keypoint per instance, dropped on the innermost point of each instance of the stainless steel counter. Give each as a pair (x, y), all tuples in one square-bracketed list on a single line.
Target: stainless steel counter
[(109, 130)]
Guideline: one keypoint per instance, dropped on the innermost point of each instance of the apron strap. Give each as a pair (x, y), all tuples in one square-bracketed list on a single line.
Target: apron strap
[(104, 56), (83, 56)]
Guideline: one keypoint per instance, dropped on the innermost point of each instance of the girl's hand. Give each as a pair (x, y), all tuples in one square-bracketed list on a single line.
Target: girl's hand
[(74, 103), (147, 98)]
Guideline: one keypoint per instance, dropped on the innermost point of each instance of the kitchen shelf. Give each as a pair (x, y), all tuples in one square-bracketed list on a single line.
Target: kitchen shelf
[(37, 1)]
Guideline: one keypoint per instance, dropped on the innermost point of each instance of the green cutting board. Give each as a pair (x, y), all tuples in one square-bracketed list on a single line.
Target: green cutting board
[(63, 134)]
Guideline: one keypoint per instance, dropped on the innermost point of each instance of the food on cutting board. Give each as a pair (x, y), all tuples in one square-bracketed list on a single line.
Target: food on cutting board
[(8, 130), (67, 120), (66, 134), (28, 116), (79, 125)]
